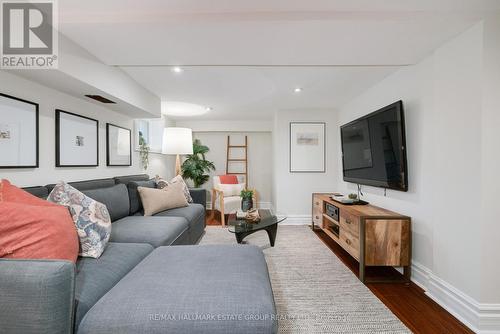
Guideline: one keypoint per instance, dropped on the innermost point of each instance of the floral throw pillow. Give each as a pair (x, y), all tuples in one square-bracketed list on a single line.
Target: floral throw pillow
[(91, 218), (162, 183)]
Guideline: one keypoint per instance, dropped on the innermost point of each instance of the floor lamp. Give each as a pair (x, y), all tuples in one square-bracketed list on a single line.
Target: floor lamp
[(177, 141)]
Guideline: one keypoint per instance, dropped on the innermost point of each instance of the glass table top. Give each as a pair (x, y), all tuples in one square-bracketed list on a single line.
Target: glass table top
[(267, 218)]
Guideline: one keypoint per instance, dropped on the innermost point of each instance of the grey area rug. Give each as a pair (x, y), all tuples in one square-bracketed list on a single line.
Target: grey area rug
[(313, 290)]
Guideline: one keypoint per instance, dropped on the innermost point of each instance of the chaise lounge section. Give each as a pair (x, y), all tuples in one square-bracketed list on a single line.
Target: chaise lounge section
[(189, 289)]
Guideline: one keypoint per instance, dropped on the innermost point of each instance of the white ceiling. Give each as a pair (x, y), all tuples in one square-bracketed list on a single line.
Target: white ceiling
[(271, 46), (255, 93)]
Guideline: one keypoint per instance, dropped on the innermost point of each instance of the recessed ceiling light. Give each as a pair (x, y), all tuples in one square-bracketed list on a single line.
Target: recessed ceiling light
[(177, 69), (297, 90), (208, 108)]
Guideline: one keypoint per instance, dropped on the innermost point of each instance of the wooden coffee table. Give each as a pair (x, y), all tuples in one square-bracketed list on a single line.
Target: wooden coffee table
[(268, 222)]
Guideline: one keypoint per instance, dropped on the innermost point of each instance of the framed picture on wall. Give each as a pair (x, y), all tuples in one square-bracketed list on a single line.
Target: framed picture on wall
[(18, 133), (151, 132), (307, 147), (118, 146), (77, 140)]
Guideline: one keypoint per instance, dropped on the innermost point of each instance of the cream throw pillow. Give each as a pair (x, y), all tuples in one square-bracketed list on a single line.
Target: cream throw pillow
[(162, 183), (157, 200), (185, 189)]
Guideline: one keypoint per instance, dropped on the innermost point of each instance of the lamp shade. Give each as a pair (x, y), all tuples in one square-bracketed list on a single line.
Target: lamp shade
[(177, 141)]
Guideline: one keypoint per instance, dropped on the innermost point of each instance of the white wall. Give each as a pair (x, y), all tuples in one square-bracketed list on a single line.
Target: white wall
[(227, 125), (49, 100), (450, 139), (259, 159), (490, 237), (292, 191)]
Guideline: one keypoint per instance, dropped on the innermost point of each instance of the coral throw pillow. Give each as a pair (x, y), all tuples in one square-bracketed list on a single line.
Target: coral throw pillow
[(10, 193), (91, 218), (39, 231), (228, 179)]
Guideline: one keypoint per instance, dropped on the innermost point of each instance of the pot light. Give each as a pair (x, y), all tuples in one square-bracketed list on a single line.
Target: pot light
[(297, 90), (208, 108), (177, 69)]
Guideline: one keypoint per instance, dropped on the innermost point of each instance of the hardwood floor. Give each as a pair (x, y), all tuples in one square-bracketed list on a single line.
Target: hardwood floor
[(406, 300)]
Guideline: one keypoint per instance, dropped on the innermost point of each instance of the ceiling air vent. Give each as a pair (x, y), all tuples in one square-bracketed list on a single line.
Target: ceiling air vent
[(100, 98)]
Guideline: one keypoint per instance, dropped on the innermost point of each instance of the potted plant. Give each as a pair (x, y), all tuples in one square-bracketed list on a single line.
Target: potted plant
[(246, 199), (196, 165)]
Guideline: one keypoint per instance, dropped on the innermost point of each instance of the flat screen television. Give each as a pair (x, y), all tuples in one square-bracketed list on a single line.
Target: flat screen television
[(374, 149)]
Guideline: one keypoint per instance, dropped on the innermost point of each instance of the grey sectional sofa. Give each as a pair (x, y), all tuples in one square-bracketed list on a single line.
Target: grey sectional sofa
[(150, 278)]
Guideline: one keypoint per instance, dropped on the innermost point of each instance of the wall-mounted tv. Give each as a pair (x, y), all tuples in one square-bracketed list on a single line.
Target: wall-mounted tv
[(374, 149)]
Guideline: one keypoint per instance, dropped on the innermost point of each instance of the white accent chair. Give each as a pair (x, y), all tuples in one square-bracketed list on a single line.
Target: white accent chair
[(230, 201)]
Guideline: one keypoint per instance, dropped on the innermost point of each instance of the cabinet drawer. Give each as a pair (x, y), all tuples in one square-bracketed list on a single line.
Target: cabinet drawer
[(350, 223), (349, 242), (317, 212), (317, 217)]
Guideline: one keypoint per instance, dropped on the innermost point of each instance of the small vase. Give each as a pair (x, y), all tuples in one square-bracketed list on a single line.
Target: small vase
[(246, 204)]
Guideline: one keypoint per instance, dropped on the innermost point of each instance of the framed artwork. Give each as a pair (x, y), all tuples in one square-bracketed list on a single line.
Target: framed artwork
[(118, 146), (307, 147), (77, 140), (151, 131), (18, 133)]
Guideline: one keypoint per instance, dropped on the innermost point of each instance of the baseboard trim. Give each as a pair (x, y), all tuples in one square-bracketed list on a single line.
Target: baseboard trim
[(481, 318), (296, 220)]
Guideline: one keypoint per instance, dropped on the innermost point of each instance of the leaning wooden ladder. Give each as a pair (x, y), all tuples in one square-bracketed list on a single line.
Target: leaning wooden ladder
[(230, 161)]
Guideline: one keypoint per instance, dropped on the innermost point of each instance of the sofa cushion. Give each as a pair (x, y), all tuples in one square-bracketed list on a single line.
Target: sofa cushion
[(87, 185), (156, 231), (129, 178), (168, 284), (192, 212), (40, 192), (115, 198), (199, 195), (95, 277), (133, 194)]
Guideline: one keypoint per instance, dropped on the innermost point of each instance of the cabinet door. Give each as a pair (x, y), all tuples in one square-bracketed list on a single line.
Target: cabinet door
[(387, 242), (317, 210)]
